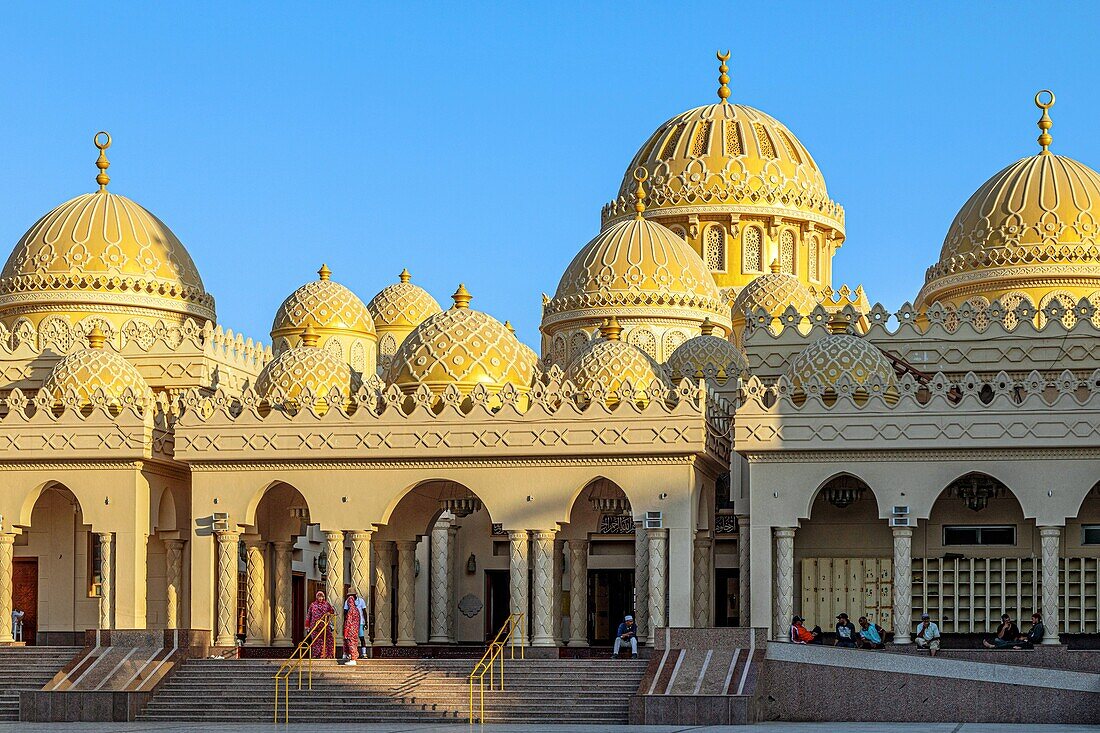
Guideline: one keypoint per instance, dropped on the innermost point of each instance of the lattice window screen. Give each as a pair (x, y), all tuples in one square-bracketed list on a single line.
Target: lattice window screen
[(752, 250), (815, 256), (715, 249), (786, 251)]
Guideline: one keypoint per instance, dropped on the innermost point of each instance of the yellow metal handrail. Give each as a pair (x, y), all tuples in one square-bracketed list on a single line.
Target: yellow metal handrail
[(301, 657), (506, 637)]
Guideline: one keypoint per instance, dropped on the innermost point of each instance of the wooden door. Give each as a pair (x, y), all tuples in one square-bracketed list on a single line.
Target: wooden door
[(25, 595), (297, 607)]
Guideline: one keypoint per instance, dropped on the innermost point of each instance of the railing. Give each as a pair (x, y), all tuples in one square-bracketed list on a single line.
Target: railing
[(301, 657), (506, 637)]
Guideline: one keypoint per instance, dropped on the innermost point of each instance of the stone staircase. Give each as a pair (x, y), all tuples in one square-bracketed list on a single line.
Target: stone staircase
[(401, 690), (28, 668)]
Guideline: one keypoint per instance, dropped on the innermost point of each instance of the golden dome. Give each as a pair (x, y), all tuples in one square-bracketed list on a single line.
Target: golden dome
[(304, 367), (397, 310), (1033, 228), (773, 292), (707, 356), (102, 253), (462, 347), (531, 353), (610, 363), (326, 305), (841, 354), (95, 369)]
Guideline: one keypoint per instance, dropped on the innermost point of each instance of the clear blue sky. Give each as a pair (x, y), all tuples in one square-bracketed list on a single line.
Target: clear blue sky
[(476, 142)]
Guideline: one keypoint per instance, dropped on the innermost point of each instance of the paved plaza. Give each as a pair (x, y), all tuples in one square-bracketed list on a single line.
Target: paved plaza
[(457, 728)]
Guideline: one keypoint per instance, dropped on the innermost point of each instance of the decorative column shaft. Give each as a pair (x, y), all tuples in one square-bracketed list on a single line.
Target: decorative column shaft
[(1051, 538), (903, 584), (455, 572), (255, 592), (542, 623), (641, 579), (383, 570), (106, 540), (555, 599), (658, 579), (334, 574), (442, 561), (173, 578), (7, 569), (360, 562), (784, 581), (228, 549), (701, 562), (517, 580), (406, 593), (578, 593), (284, 602), (743, 602)]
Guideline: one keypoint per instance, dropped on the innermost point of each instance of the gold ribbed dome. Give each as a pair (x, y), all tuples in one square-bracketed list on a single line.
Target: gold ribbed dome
[(303, 367), (397, 310), (1032, 229), (707, 356), (463, 347), (101, 253), (95, 369), (610, 363), (841, 354)]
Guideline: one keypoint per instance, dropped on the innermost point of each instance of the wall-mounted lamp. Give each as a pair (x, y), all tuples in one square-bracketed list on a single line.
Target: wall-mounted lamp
[(662, 496), (344, 499), (471, 564), (106, 501), (530, 498), (1050, 492), (320, 563), (215, 500), (775, 494)]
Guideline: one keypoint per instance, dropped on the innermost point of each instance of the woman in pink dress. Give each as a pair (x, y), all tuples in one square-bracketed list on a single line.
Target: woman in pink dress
[(351, 629), (324, 645)]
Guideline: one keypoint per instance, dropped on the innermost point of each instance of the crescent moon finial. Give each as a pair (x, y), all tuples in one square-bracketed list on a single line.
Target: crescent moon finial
[(1045, 123)]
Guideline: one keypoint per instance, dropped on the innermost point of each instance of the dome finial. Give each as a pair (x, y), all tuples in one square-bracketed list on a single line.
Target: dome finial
[(774, 267), (96, 337), (707, 327), (838, 324), (640, 174), (404, 276), (102, 141), (324, 273), (1045, 122), (723, 77), (610, 329), (462, 297), (309, 336), (510, 327)]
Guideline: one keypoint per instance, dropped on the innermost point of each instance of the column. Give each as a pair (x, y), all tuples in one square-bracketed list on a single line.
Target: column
[(542, 621), (173, 576), (658, 578), (743, 573), (228, 549), (334, 574), (360, 562), (578, 593), (383, 570), (284, 601), (406, 593), (555, 602), (784, 581), (255, 591), (903, 584), (641, 580), (442, 604), (7, 552), (106, 542), (702, 601), (455, 572), (517, 580), (1051, 538)]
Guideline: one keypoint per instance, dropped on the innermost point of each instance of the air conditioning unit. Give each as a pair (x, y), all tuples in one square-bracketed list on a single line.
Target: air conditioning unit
[(901, 522), (901, 509), (219, 521), (654, 520)]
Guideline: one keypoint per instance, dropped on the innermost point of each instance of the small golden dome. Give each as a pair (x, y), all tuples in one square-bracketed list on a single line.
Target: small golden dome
[(707, 356), (610, 363), (1034, 227), (397, 310), (304, 367), (86, 371), (101, 252), (326, 305), (463, 347), (841, 354), (530, 352), (773, 292)]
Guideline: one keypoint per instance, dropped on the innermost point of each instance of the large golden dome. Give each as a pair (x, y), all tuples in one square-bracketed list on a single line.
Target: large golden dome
[(397, 310), (707, 356), (838, 355), (88, 371), (1032, 229), (305, 367), (462, 347), (101, 253), (610, 363)]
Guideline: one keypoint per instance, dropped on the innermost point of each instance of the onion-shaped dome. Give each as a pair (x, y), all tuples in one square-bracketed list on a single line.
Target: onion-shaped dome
[(397, 310), (610, 363), (839, 355), (101, 253), (461, 347), (773, 292), (304, 367), (707, 356), (87, 371), (1033, 228)]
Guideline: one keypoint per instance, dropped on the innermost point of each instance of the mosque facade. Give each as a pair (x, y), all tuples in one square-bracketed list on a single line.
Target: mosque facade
[(714, 434)]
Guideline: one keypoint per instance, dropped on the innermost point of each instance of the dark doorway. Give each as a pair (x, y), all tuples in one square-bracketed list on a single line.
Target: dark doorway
[(727, 596), (498, 591), (297, 607), (610, 598), (24, 595)]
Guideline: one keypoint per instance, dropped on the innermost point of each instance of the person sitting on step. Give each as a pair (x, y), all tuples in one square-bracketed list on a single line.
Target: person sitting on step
[(627, 634), (845, 632), (801, 635), (870, 635), (1034, 635), (1008, 634), (928, 634)]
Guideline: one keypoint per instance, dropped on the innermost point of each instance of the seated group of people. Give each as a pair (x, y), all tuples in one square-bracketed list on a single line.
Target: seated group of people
[(1009, 636), (869, 635)]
